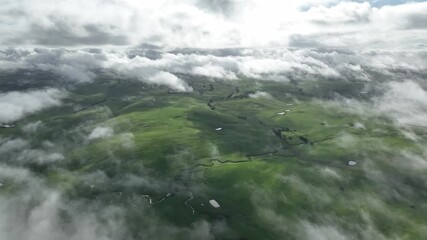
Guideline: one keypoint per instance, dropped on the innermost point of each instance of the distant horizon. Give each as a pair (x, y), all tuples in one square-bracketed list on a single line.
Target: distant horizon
[(213, 119)]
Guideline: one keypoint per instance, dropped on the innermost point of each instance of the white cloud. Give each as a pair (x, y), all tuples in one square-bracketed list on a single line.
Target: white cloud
[(312, 231), (170, 80), (33, 127), (412, 162), (331, 173), (404, 102), (214, 71), (19, 151), (39, 156), (259, 94), (7, 145), (127, 140), (344, 12), (209, 24), (38, 211), (17, 174), (101, 132), (264, 64), (16, 105)]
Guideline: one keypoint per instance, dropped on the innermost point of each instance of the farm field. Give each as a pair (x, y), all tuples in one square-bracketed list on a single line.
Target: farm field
[(249, 159)]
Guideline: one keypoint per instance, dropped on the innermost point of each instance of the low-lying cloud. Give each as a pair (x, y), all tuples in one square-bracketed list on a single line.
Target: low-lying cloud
[(260, 94), (101, 132), (33, 127), (80, 66), (402, 102), (17, 105)]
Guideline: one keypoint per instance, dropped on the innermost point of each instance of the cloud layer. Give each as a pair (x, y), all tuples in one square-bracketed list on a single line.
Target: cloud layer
[(16, 105), (211, 24), (163, 67)]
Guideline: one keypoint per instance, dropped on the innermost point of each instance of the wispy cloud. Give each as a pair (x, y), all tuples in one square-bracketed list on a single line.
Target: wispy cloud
[(16, 105)]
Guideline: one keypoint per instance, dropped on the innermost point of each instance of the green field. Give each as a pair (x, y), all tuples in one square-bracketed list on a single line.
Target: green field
[(277, 165)]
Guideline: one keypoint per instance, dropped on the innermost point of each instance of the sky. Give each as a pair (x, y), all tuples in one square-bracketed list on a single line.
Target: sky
[(377, 24), (155, 41)]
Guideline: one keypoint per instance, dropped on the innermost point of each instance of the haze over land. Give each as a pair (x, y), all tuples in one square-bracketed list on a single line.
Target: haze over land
[(220, 119)]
